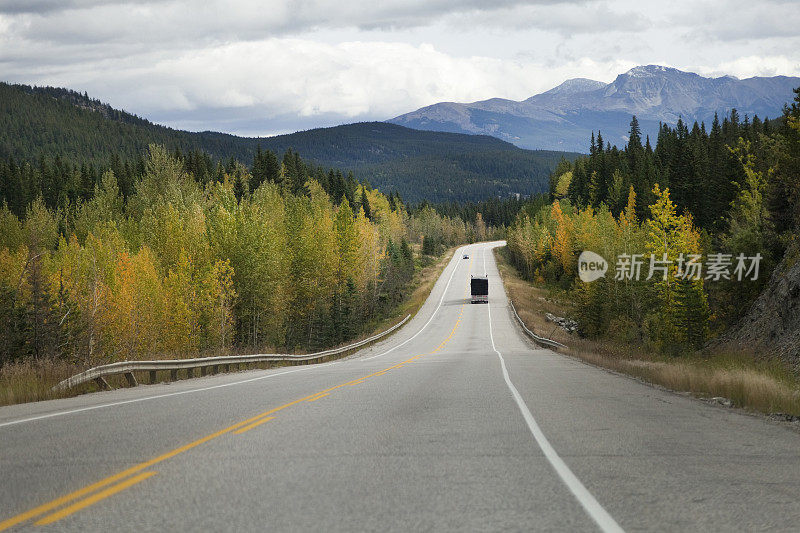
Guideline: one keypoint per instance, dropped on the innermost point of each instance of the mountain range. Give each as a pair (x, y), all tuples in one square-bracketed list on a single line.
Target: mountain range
[(564, 117), (471, 151)]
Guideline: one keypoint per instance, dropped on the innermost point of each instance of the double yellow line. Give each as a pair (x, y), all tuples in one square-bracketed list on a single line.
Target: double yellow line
[(111, 485), (121, 476)]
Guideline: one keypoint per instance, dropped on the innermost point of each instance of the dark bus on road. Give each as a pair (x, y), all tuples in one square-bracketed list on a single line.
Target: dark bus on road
[(479, 288)]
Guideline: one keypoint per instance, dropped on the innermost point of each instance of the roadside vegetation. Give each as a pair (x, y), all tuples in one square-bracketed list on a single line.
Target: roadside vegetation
[(261, 260), (729, 197), (746, 380)]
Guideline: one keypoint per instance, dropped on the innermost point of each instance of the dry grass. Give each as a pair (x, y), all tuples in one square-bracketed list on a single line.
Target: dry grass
[(532, 302), (748, 380), (423, 283), (31, 381)]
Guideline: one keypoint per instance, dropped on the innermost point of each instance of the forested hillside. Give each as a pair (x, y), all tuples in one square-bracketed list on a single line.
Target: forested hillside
[(495, 212), (45, 123), (424, 165), (719, 197), (180, 265)]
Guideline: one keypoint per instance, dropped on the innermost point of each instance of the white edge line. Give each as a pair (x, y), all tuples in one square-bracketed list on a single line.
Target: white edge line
[(444, 293), (135, 400), (592, 507), (201, 389)]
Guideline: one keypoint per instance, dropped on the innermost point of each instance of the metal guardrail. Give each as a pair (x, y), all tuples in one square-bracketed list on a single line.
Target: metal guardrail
[(127, 368), (544, 341)]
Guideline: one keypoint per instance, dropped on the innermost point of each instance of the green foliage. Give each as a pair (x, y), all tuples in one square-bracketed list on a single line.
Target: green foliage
[(668, 313), (697, 166), (181, 266), (494, 211), (429, 245), (681, 314), (47, 134), (738, 183)]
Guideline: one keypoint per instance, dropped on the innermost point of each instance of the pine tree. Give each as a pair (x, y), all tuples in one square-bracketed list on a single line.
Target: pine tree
[(365, 203), (239, 188), (692, 313), (784, 188), (428, 245), (617, 192), (258, 171), (272, 167), (289, 171), (634, 136)]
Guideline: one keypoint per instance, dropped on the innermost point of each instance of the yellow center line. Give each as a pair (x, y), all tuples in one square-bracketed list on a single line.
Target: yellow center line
[(36, 511), (256, 424), (237, 428), (317, 397), (103, 494), (58, 502)]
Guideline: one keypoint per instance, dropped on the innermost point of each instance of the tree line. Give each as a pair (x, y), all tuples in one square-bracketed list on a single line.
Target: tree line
[(497, 212), (60, 182), (179, 255), (731, 189)]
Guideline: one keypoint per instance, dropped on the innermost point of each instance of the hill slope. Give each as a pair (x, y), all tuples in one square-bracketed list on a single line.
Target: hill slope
[(425, 165), (564, 117), (421, 165), (772, 324)]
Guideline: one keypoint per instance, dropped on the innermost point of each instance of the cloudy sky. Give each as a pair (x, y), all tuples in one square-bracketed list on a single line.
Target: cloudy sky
[(271, 66)]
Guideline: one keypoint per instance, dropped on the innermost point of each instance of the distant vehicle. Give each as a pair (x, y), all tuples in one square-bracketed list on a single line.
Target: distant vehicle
[(479, 288), (466, 256)]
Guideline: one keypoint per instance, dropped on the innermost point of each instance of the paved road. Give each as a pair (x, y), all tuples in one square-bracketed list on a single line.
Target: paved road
[(456, 422)]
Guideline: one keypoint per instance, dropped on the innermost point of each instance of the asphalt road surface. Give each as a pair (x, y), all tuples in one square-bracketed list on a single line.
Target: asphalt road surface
[(455, 423)]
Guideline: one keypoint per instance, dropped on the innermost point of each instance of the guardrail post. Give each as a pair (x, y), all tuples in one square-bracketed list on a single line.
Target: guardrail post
[(131, 379), (152, 377), (189, 373), (102, 383), (173, 374), (203, 370)]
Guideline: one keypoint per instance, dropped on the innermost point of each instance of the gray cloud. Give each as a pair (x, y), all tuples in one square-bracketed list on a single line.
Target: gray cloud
[(93, 19), (740, 20), (565, 19), (256, 67), (48, 6)]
